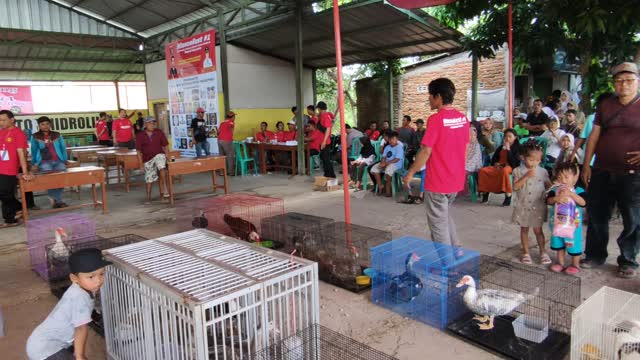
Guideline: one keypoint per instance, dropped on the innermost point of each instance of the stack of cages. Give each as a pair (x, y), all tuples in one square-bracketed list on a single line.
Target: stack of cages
[(58, 267), (294, 231), (200, 295), (236, 215), (317, 342), (42, 232), (607, 326), (418, 279), (531, 310)]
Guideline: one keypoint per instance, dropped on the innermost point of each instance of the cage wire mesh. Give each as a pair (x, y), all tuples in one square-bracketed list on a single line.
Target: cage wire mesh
[(201, 295), (236, 215), (607, 326), (293, 230), (545, 299), (42, 232), (317, 342), (417, 278)]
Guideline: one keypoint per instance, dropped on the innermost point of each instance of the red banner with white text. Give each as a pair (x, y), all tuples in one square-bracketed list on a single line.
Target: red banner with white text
[(190, 56), (16, 98)]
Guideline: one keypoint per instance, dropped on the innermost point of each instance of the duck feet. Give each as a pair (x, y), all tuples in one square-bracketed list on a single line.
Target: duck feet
[(481, 319), (488, 326)]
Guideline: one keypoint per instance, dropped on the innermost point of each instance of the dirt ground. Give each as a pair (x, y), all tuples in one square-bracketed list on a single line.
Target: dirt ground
[(25, 299)]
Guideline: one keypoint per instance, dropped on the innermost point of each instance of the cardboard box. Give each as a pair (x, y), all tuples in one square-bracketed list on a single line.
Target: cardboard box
[(322, 183), (327, 188)]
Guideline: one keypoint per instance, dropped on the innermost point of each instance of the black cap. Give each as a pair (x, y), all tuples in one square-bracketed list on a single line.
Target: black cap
[(86, 261), (419, 121)]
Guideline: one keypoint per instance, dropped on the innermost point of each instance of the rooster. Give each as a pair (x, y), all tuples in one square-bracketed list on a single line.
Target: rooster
[(242, 228), (200, 222)]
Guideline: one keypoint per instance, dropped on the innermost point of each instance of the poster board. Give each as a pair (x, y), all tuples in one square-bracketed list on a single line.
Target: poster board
[(192, 78), (16, 98), (491, 103)]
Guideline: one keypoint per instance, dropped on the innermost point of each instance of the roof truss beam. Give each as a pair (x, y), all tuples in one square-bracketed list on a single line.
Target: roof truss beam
[(68, 59), (71, 71), (382, 48)]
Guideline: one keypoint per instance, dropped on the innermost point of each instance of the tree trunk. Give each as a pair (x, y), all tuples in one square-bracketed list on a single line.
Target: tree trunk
[(585, 61), (636, 59)]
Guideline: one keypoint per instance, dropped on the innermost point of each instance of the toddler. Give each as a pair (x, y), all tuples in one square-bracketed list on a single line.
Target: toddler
[(562, 192), (530, 182), (66, 327)]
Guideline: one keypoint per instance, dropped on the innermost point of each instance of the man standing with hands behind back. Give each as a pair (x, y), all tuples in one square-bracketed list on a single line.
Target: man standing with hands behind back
[(13, 155), (615, 178)]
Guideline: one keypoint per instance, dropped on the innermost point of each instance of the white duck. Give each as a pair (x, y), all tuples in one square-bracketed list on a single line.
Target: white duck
[(490, 302), (628, 342), (59, 249)]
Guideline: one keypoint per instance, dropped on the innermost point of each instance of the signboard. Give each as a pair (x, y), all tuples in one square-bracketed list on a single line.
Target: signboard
[(491, 103), (65, 123), (16, 98), (191, 70)]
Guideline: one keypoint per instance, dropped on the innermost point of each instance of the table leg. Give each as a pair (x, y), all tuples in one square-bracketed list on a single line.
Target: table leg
[(25, 215), (126, 177), (263, 160), (104, 197), (95, 196), (118, 167), (226, 189), (213, 179), (171, 189), (294, 167)]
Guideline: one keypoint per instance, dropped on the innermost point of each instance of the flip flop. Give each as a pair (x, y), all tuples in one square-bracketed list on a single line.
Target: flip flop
[(626, 272), (526, 259), (571, 270), (166, 195), (545, 259), (556, 268)]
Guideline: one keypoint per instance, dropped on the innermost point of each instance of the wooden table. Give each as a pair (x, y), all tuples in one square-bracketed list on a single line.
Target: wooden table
[(71, 177), (262, 149), (87, 155), (129, 161), (187, 166), (71, 148), (107, 159)]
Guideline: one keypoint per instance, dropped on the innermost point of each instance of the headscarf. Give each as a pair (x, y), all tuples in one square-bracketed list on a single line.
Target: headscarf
[(564, 103), (571, 139)]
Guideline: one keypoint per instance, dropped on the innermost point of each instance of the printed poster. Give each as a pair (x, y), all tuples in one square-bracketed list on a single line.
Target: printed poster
[(16, 98), (192, 74)]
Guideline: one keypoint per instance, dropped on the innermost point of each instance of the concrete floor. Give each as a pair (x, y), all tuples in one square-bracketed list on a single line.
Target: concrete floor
[(25, 299)]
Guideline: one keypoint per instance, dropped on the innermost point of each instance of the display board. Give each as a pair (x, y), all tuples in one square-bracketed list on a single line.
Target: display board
[(16, 98), (491, 103), (192, 72)]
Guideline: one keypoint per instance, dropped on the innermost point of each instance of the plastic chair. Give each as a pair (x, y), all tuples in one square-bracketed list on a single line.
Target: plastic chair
[(356, 147), (314, 159), (376, 147), (242, 159)]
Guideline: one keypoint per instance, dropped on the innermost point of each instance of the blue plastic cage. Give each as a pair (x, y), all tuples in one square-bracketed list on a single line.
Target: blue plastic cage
[(417, 278)]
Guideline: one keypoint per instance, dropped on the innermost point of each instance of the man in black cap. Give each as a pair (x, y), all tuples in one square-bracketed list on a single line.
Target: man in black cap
[(68, 323)]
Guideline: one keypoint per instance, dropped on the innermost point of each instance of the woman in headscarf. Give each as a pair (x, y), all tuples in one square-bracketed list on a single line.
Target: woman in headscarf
[(496, 178), (565, 98), (566, 150)]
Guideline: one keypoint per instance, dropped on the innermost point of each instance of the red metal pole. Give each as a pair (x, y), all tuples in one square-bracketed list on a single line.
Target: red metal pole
[(343, 133), (509, 113)]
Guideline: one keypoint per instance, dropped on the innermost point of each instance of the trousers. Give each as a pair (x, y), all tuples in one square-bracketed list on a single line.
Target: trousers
[(10, 205)]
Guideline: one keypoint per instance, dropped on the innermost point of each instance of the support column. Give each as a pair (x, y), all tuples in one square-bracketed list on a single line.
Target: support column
[(314, 84), (117, 95), (224, 69), (474, 88), (299, 96), (390, 90)]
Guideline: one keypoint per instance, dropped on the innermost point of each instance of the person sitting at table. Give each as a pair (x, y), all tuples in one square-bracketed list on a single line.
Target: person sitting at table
[(49, 153), (151, 145), (292, 134), (280, 133), (265, 136), (315, 138)]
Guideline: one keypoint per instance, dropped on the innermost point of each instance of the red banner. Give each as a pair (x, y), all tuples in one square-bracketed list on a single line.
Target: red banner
[(191, 56), (414, 4), (16, 98)]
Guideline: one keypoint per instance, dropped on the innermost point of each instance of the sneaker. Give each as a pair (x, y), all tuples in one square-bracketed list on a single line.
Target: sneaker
[(589, 264)]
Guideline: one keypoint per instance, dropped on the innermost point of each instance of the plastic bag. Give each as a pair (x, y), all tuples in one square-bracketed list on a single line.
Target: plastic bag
[(564, 219)]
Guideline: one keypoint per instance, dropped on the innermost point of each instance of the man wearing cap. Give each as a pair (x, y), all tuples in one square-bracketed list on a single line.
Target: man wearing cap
[(151, 145), (49, 153), (225, 141), (615, 178), (63, 334), (292, 134), (199, 133)]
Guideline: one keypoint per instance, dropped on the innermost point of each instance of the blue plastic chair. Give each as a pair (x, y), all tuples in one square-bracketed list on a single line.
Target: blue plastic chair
[(356, 147)]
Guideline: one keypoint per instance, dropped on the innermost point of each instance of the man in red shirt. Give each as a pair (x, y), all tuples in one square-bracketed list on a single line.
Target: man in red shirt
[(123, 131), (443, 150), (311, 111), (13, 149), (292, 134), (225, 141), (315, 138), (373, 132), (102, 130), (151, 145), (265, 136), (325, 123)]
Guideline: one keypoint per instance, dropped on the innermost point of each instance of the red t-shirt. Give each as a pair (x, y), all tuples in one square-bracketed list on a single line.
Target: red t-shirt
[(262, 138), (447, 136), (100, 126), (225, 133), (290, 135), (316, 139), (10, 141), (123, 129), (150, 146), (372, 134), (281, 136), (313, 119), (326, 120)]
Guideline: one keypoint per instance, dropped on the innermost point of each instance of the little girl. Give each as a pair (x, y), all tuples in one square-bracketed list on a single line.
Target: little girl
[(359, 165), (530, 183)]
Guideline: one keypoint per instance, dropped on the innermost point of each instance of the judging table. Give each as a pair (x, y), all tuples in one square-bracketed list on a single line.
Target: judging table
[(107, 159), (88, 155), (186, 166), (129, 161), (77, 176), (262, 149)]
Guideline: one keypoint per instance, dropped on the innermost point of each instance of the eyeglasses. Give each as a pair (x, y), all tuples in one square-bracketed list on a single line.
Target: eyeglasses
[(624, 81)]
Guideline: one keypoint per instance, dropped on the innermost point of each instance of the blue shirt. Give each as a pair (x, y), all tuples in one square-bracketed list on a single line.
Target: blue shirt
[(391, 153), (586, 131)]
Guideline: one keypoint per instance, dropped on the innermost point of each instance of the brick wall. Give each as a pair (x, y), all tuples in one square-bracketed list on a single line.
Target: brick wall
[(413, 99)]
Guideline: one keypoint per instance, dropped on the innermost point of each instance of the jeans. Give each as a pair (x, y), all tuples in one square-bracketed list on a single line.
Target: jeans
[(606, 190), (327, 165), (10, 205), (48, 166), (202, 146)]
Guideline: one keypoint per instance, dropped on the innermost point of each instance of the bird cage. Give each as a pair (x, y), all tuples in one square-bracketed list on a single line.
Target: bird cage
[(293, 230), (235, 215), (317, 342), (42, 232), (201, 295), (539, 302), (607, 326), (417, 278)]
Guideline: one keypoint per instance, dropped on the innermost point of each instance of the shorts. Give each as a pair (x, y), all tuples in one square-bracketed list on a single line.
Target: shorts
[(573, 246), (389, 170), (151, 168)]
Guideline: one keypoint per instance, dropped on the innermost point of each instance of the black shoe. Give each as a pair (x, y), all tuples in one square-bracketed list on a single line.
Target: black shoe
[(485, 197), (507, 201), (589, 264)]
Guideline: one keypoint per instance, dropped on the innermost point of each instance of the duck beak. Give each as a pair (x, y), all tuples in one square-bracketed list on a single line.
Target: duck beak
[(461, 283)]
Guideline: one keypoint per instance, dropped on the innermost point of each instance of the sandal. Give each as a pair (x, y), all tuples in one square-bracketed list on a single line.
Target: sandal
[(556, 268), (626, 272), (166, 195), (545, 259), (526, 259), (417, 200), (571, 270), (410, 200)]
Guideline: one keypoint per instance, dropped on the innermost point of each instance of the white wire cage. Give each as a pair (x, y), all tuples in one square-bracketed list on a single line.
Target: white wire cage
[(607, 326), (200, 295)]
